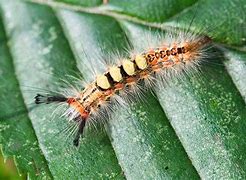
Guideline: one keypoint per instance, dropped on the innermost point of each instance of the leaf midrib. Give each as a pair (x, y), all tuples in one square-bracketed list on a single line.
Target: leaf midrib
[(101, 10)]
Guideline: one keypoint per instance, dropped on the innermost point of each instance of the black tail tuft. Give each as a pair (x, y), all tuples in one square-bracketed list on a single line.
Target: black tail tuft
[(39, 99)]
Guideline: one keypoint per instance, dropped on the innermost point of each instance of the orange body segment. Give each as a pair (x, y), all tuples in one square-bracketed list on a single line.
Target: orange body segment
[(78, 107)]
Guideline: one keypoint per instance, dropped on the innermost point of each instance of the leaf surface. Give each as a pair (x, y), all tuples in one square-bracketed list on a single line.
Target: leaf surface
[(194, 128)]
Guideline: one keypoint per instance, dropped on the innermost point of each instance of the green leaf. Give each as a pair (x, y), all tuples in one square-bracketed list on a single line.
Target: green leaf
[(194, 129), (86, 3), (40, 49), (17, 135)]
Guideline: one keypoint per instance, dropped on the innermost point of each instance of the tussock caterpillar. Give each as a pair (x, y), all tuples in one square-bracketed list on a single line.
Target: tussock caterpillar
[(149, 64), (161, 59), (156, 62), (172, 54)]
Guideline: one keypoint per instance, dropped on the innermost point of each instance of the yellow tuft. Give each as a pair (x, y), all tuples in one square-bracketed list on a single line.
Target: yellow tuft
[(129, 68), (102, 82), (115, 73), (141, 62)]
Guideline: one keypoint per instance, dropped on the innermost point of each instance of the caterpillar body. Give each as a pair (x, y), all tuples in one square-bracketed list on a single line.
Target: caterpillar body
[(97, 97)]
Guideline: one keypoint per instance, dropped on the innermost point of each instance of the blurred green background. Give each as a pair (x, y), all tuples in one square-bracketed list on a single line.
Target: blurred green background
[(8, 170)]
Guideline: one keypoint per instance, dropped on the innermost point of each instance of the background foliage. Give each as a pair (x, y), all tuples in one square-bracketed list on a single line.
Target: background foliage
[(193, 129)]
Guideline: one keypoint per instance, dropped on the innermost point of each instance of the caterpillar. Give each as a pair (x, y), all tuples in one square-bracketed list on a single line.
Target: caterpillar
[(147, 141), (95, 101)]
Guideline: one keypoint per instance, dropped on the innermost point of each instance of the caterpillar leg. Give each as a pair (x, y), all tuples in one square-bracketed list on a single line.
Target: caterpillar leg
[(79, 133)]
